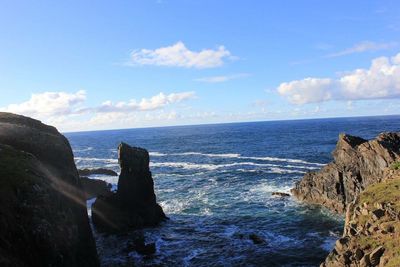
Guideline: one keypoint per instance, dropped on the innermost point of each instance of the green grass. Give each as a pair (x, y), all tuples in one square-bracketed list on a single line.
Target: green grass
[(395, 165), (387, 191)]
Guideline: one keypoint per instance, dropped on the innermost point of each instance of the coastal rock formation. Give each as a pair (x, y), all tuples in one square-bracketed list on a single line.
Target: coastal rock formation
[(43, 217), (98, 171), (372, 228), (357, 164), (94, 187), (134, 204)]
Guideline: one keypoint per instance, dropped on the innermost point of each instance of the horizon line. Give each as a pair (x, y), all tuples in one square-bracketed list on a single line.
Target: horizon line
[(234, 122)]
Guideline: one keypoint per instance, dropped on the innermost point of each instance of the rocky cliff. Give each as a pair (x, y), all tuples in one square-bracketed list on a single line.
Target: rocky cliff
[(43, 217), (134, 204), (372, 229), (357, 164)]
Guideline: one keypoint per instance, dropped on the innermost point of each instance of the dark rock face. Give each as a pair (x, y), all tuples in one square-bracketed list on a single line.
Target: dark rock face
[(99, 171), (134, 204), (357, 164), (94, 187), (43, 217)]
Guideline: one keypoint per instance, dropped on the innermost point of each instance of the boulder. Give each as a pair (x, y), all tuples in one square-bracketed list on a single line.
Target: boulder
[(134, 204), (257, 240), (43, 217), (94, 187), (280, 194), (98, 171), (357, 164)]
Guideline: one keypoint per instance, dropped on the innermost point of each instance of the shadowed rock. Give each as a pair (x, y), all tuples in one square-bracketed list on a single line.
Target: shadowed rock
[(94, 187), (357, 164), (134, 204), (43, 217)]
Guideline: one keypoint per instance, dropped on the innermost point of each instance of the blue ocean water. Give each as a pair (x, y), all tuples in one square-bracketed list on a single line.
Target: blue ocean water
[(215, 183)]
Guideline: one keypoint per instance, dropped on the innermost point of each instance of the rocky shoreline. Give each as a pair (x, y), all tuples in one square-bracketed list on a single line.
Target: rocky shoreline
[(357, 163), (361, 182), (44, 220)]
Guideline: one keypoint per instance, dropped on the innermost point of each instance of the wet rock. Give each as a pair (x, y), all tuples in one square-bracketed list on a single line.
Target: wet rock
[(43, 219), (357, 164), (138, 245), (98, 171), (134, 204), (280, 194), (94, 187), (256, 239)]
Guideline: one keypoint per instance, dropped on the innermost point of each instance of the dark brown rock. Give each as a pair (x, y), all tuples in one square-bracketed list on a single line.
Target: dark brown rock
[(43, 219), (134, 204), (357, 164), (280, 194), (256, 239), (98, 171), (95, 187)]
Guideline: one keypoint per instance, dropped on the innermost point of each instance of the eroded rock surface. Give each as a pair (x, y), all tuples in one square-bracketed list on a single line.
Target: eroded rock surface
[(357, 164), (372, 229), (43, 217), (134, 204)]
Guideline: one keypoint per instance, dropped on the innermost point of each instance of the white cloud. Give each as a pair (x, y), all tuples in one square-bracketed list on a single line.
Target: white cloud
[(153, 103), (363, 47), (222, 78), (178, 55), (309, 90), (381, 80), (66, 110), (48, 104)]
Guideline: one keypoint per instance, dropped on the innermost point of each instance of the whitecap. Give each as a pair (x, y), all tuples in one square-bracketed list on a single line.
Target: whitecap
[(239, 156), (80, 159)]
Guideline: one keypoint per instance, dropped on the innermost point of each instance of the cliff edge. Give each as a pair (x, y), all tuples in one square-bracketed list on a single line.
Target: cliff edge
[(372, 229), (357, 164)]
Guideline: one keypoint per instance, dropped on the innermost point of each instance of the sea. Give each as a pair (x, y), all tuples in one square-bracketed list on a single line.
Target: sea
[(215, 183)]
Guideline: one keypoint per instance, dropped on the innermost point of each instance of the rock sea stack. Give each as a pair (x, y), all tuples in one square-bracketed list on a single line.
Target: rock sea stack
[(43, 216), (357, 164), (134, 204)]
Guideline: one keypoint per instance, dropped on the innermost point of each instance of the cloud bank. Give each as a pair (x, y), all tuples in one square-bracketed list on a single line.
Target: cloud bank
[(380, 81), (67, 111), (178, 55)]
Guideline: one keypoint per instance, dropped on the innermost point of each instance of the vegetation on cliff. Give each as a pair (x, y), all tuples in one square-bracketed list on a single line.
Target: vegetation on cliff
[(372, 229)]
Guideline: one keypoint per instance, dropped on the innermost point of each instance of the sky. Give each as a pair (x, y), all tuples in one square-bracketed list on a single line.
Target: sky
[(94, 65)]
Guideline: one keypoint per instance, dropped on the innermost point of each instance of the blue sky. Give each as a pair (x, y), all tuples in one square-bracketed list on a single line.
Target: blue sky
[(85, 65)]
